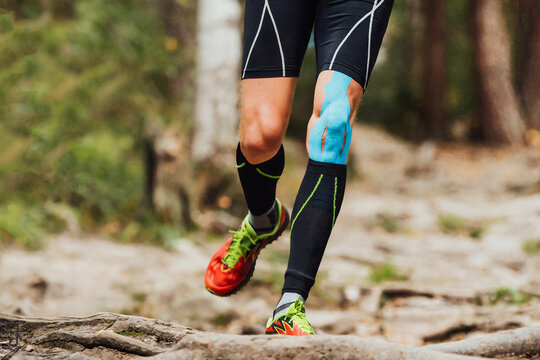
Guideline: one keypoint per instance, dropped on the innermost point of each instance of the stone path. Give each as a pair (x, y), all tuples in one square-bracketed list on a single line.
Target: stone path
[(432, 244)]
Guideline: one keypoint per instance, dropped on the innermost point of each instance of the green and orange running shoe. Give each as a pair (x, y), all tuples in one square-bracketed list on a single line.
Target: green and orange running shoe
[(294, 322), (233, 264)]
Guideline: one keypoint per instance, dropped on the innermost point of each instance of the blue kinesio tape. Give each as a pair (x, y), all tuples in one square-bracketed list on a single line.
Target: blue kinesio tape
[(335, 113)]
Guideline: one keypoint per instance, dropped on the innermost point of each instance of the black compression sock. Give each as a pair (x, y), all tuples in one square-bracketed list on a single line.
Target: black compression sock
[(315, 211), (259, 181)]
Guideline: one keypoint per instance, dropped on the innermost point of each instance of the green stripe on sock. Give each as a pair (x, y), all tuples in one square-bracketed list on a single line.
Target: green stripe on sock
[(241, 165), (267, 175), (335, 194), (309, 197)]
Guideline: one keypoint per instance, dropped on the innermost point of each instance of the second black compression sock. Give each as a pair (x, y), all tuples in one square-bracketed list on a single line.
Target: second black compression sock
[(314, 214), (259, 181)]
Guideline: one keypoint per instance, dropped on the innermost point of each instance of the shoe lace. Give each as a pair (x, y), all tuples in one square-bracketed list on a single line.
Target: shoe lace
[(243, 240), (298, 316)]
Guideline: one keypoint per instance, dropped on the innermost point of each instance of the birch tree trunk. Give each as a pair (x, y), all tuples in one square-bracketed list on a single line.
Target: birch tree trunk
[(217, 111), (501, 118), (217, 78)]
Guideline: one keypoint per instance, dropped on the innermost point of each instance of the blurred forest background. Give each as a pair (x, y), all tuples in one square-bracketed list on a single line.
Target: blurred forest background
[(104, 104)]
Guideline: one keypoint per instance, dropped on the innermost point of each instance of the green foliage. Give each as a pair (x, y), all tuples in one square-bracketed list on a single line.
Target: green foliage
[(453, 224), (28, 225), (386, 272), (450, 223), (79, 82), (461, 96), (223, 319), (390, 223), (531, 246), (6, 23), (272, 279), (130, 333), (508, 295), (139, 305), (303, 101), (277, 256), (319, 291), (393, 96), (139, 296), (98, 177)]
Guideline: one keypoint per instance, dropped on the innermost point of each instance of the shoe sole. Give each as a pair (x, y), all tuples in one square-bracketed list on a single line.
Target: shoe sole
[(271, 239)]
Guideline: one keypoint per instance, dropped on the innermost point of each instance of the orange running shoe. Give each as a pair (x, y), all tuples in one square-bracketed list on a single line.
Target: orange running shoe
[(294, 322), (233, 264)]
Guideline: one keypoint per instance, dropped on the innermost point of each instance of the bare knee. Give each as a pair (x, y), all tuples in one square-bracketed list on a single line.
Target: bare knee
[(259, 147), (261, 134)]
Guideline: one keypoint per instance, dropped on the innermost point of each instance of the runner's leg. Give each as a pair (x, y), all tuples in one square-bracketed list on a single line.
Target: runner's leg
[(276, 33), (348, 47), (265, 106), (319, 200)]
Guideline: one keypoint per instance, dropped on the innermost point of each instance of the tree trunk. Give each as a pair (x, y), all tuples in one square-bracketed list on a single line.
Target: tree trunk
[(500, 115), (529, 16), (434, 69), (216, 110), (218, 65), (186, 174), (167, 148), (169, 174), (114, 336)]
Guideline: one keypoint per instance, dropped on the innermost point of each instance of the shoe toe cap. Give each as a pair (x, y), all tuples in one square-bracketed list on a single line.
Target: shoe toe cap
[(219, 279)]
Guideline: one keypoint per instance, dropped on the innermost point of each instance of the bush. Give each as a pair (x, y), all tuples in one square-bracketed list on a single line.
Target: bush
[(97, 176), (28, 225), (79, 82)]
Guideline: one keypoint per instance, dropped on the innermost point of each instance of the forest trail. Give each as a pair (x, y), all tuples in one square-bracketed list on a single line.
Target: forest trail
[(434, 243)]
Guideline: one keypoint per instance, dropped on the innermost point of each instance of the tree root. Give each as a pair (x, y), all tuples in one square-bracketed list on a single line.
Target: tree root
[(125, 337), (106, 339), (236, 347), (519, 342), (126, 334)]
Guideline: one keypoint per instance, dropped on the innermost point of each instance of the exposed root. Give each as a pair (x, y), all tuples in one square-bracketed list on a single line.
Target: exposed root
[(236, 347), (459, 329), (450, 332), (519, 342), (120, 337), (126, 334), (391, 293), (12, 352), (164, 332), (107, 339)]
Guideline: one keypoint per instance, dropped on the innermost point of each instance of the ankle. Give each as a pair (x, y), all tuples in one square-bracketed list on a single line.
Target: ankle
[(266, 221), (285, 301)]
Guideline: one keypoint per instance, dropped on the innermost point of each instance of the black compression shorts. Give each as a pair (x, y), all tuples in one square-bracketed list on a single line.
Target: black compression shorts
[(348, 36)]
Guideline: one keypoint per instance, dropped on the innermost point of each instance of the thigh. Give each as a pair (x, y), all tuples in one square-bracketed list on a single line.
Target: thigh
[(348, 35), (276, 34)]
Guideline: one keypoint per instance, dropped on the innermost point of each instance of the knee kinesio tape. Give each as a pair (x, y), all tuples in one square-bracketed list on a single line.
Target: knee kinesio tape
[(259, 181), (335, 113)]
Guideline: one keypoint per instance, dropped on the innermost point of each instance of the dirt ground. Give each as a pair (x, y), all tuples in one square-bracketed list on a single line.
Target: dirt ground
[(434, 242)]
